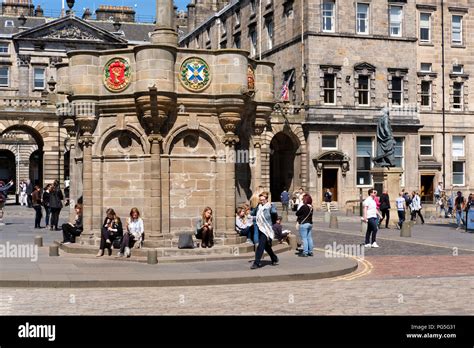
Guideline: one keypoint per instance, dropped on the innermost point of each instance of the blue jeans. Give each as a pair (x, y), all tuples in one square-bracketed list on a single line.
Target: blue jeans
[(48, 213), (371, 231), (307, 238), (459, 218)]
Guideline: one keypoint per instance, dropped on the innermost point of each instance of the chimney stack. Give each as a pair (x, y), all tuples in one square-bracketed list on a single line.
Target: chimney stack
[(165, 31)]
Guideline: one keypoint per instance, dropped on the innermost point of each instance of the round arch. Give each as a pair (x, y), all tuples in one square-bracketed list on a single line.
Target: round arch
[(113, 131), (176, 133)]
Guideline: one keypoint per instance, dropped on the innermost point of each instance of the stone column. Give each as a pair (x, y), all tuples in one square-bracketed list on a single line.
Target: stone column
[(86, 142), (260, 125), (155, 184), (165, 32), (390, 179)]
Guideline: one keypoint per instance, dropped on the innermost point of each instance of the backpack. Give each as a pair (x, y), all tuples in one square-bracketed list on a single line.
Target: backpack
[(185, 241)]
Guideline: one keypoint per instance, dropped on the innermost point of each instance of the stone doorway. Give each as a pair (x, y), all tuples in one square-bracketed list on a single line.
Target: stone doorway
[(7, 167), (330, 177), (427, 188), (282, 165)]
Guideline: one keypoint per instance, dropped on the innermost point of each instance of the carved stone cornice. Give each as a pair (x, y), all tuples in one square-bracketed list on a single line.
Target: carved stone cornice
[(71, 32), (24, 60), (154, 110), (86, 141), (229, 122), (70, 126)]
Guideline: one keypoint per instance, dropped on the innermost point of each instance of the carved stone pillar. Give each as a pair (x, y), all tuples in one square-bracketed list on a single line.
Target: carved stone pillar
[(155, 185), (70, 127), (86, 143)]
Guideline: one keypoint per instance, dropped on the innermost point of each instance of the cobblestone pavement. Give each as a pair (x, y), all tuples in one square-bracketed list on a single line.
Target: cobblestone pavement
[(429, 277), (426, 296)]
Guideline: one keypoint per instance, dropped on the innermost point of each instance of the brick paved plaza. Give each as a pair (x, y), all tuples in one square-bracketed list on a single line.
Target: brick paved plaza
[(431, 273)]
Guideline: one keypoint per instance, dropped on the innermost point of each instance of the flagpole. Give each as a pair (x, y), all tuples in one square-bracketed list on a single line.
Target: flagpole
[(62, 8)]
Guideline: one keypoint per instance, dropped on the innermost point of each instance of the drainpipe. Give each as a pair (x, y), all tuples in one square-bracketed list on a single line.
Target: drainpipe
[(443, 93), (260, 31)]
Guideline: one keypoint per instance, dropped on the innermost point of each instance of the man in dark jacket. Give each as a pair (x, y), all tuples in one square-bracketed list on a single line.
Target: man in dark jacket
[(55, 203), (385, 207), (29, 192)]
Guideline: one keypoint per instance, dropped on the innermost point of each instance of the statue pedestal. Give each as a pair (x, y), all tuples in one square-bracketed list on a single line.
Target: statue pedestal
[(389, 178)]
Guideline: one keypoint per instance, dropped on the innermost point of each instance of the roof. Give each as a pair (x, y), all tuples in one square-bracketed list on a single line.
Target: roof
[(31, 22), (132, 31)]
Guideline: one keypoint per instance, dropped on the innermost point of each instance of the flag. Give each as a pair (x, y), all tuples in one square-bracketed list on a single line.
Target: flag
[(285, 90)]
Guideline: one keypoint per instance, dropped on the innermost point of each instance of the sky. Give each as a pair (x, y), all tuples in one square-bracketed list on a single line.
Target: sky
[(144, 8)]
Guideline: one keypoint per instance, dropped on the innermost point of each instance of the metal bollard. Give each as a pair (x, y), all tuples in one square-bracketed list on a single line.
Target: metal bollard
[(327, 217), (333, 223), (406, 229), (39, 241), (54, 250), (152, 257)]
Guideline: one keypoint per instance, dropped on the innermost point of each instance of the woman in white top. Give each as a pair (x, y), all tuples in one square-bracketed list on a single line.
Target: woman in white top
[(134, 235)]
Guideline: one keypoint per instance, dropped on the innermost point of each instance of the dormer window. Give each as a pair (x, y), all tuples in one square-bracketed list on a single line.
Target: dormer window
[(458, 69), (9, 23)]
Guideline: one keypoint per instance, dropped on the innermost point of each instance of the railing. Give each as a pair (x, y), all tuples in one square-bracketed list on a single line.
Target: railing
[(22, 102)]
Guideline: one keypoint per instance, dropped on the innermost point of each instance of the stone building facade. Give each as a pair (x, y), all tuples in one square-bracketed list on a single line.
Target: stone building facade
[(158, 127), (33, 145), (343, 61)]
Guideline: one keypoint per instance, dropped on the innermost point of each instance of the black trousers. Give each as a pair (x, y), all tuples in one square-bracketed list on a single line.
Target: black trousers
[(413, 216), (128, 241), (106, 234), (55, 217), (385, 212), (401, 217), (264, 244), (371, 231), (38, 215), (70, 233)]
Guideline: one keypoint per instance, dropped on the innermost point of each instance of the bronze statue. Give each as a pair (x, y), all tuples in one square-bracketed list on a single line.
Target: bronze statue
[(385, 142)]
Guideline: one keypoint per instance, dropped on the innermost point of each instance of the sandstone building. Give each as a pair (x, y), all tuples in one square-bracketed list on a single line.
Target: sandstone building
[(343, 61)]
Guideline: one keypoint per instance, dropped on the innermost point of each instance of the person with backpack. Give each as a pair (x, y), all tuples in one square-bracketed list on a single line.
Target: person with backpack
[(3, 197), (285, 200), (459, 206), (328, 199), (56, 204)]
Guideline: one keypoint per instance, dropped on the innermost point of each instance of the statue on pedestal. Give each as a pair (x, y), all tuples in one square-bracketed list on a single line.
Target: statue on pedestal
[(385, 142)]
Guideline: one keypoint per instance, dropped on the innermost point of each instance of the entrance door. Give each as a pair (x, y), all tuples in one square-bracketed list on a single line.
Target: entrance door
[(427, 188), (330, 182)]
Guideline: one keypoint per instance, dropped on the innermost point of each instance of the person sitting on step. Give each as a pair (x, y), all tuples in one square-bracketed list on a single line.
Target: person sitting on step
[(244, 225), (111, 229), (205, 229), (133, 236), (73, 230)]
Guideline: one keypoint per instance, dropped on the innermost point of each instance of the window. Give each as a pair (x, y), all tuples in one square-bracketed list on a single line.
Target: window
[(457, 95), (426, 93), (329, 89), (397, 90), (364, 160), (458, 69), (237, 42), (425, 27), (4, 47), (329, 142), (4, 76), (399, 158), (364, 88), (362, 18), (39, 78), (426, 145), (458, 173), (270, 34), (237, 18), (253, 42), (328, 16), (458, 146), (456, 36), (396, 16), (426, 67)]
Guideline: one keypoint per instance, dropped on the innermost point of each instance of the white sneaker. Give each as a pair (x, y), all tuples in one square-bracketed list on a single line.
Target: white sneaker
[(368, 245), (375, 245), (119, 254), (127, 252)]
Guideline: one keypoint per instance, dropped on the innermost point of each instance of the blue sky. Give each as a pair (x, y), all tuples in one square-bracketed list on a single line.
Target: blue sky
[(144, 8)]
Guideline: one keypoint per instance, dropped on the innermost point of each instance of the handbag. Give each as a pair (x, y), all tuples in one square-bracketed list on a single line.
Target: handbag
[(298, 224), (185, 241), (117, 243)]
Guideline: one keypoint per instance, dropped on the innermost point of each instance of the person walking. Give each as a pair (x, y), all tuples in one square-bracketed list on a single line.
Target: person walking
[(29, 191), (400, 210), (73, 230), (46, 203), (385, 208), (285, 199), (370, 217), (23, 195), (3, 197), (111, 229), (415, 207), (56, 204), (327, 200), (459, 206), (134, 235), (265, 231), (305, 220), (36, 203)]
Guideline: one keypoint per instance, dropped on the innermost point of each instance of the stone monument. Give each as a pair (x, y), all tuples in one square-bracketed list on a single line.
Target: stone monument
[(385, 173)]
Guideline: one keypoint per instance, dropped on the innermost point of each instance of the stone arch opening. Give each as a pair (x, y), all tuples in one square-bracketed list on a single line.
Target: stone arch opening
[(7, 167), (282, 164), (27, 144)]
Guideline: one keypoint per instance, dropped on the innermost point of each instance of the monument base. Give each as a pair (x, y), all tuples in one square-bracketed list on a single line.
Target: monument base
[(389, 179)]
